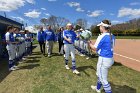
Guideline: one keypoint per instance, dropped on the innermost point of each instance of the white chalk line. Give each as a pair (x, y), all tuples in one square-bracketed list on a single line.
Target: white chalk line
[(127, 57)]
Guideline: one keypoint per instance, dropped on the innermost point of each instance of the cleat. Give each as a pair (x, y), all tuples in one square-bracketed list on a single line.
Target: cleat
[(76, 72), (12, 69), (67, 67), (82, 55), (64, 55), (87, 58), (95, 88)]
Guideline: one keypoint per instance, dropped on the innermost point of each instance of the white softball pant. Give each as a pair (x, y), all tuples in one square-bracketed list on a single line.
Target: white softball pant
[(81, 44), (103, 66), (69, 49), (11, 51)]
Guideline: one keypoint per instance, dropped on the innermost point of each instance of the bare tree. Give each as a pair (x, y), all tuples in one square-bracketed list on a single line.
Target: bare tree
[(54, 21), (37, 27), (61, 21), (82, 22), (44, 21)]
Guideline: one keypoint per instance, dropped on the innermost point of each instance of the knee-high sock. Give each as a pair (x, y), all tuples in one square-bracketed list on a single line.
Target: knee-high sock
[(66, 62), (73, 65), (99, 84)]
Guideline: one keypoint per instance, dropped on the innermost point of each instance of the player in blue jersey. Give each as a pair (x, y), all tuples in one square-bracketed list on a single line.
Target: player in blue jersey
[(16, 37), (69, 37), (28, 39), (10, 47), (104, 47)]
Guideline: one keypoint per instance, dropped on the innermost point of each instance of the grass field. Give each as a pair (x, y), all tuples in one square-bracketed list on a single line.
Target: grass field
[(128, 37), (39, 74)]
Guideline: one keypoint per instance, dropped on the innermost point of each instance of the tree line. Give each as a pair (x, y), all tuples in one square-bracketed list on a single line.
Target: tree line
[(57, 22), (129, 28)]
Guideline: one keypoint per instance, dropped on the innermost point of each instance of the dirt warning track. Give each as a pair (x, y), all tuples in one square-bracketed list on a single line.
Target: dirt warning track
[(127, 52)]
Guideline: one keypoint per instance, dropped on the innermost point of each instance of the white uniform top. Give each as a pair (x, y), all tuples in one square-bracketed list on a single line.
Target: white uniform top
[(7, 37)]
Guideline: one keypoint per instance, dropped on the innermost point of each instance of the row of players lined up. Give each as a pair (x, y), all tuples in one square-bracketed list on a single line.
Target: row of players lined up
[(18, 45)]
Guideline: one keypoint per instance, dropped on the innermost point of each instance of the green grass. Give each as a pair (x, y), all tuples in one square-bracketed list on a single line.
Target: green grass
[(35, 42), (127, 37), (39, 74)]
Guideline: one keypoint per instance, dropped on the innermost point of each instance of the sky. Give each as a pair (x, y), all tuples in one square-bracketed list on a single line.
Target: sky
[(94, 11)]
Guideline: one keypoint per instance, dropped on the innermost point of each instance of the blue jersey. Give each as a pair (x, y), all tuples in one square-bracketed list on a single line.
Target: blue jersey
[(17, 36), (104, 45), (12, 39), (9, 37), (41, 36), (70, 34), (49, 35), (28, 37)]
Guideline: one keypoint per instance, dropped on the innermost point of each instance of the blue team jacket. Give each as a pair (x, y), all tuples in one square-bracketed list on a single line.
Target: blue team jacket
[(49, 35), (41, 36), (60, 36)]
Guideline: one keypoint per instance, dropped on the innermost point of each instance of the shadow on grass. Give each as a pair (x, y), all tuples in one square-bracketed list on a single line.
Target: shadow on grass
[(56, 54), (34, 46), (93, 56), (83, 69), (29, 66), (32, 61), (34, 57), (117, 64), (122, 89), (3, 69), (36, 53)]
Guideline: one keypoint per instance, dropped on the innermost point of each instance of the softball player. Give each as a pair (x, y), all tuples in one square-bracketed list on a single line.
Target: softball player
[(28, 42), (104, 47), (69, 37), (10, 47), (86, 46), (77, 42), (82, 44), (23, 46), (20, 47), (17, 36)]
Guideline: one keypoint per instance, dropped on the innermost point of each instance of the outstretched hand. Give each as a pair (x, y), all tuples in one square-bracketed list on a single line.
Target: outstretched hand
[(69, 40)]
